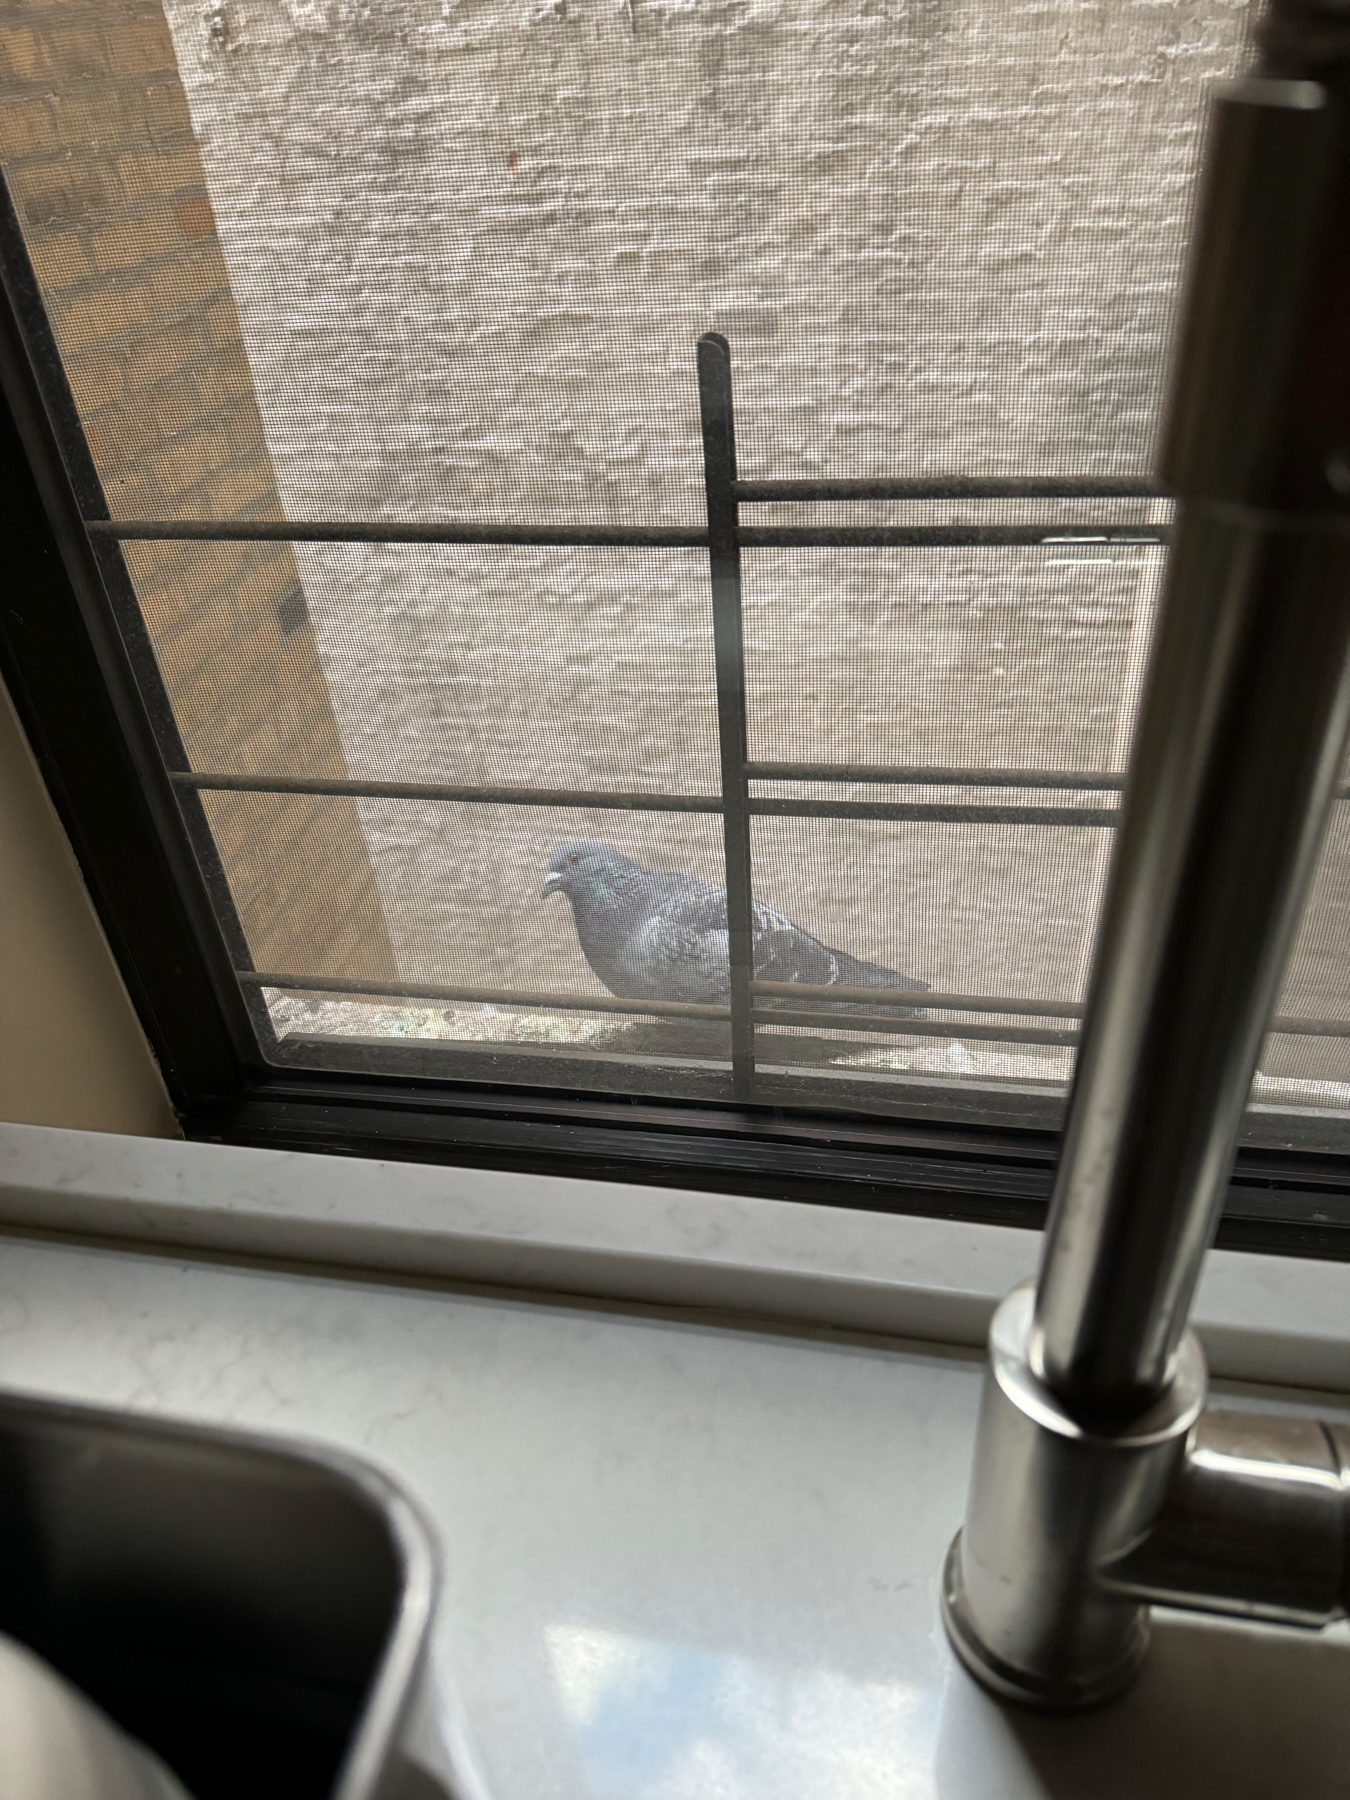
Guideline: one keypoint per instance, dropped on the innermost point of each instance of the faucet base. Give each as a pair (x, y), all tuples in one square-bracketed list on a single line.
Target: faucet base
[(1055, 1504), (1062, 1693)]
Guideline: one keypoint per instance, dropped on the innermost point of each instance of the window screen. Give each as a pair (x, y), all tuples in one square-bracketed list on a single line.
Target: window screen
[(370, 282)]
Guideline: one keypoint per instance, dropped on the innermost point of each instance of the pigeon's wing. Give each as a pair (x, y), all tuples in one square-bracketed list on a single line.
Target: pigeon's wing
[(680, 949), (684, 962), (787, 952), (683, 945)]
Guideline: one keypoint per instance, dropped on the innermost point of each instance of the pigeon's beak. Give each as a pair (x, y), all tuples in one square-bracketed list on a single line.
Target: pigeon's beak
[(552, 882)]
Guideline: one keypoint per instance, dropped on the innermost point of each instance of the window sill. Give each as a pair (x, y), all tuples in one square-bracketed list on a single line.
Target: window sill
[(1262, 1318)]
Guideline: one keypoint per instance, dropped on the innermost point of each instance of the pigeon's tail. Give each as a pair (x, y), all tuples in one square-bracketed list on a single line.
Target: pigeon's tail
[(856, 972)]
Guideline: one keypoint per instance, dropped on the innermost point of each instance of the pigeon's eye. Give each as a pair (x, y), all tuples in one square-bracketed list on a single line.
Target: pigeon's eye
[(574, 860)]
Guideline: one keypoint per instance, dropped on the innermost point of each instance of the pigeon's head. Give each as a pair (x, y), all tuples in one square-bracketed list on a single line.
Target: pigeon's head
[(586, 871)]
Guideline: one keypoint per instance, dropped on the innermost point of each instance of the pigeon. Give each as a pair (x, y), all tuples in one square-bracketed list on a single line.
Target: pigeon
[(652, 935)]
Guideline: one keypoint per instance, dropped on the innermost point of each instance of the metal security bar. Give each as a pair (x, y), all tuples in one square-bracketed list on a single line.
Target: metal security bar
[(753, 1004), (724, 571), (957, 487), (438, 992), (603, 800), (621, 537)]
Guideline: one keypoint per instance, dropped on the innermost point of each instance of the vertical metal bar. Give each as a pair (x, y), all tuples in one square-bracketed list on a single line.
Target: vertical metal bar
[(724, 561)]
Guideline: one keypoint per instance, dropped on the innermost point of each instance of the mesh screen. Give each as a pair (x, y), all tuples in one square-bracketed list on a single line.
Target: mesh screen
[(474, 243), (457, 664), (989, 658), (307, 260)]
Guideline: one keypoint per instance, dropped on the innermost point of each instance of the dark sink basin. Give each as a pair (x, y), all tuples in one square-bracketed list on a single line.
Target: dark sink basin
[(255, 1613)]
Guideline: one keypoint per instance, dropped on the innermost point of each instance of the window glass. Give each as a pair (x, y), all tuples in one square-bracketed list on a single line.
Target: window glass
[(446, 262)]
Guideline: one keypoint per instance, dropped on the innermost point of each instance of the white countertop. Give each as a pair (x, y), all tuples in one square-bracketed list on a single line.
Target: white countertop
[(686, 1559)]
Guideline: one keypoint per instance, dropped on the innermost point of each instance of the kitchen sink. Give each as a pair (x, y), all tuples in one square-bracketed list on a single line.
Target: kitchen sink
[(255, 1612)]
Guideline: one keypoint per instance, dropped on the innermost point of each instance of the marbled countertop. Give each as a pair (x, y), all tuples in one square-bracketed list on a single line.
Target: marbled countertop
[(685, 1559)]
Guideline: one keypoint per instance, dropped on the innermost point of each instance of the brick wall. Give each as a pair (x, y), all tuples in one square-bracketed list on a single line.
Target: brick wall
[(98, 149)]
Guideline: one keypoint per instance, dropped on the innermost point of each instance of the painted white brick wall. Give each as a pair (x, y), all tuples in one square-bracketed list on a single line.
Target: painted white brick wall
[(475, 243)]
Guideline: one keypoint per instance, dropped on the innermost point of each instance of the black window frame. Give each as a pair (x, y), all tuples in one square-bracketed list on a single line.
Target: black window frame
[(77, 661)]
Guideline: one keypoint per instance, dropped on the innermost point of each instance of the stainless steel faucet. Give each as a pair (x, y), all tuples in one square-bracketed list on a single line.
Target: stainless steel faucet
[(1101, 1486)]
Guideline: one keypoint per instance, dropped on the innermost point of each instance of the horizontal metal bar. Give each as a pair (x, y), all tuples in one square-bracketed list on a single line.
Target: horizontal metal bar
[(437, 991), (313, 531), (597, 799), (1008, 1034), (682, 1009), (927, 775), (1283, 1024), (1294, 1027), (883, 537), (931, 1002), (652, 537), (936, 812), (958, 487), (996, 1034)]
